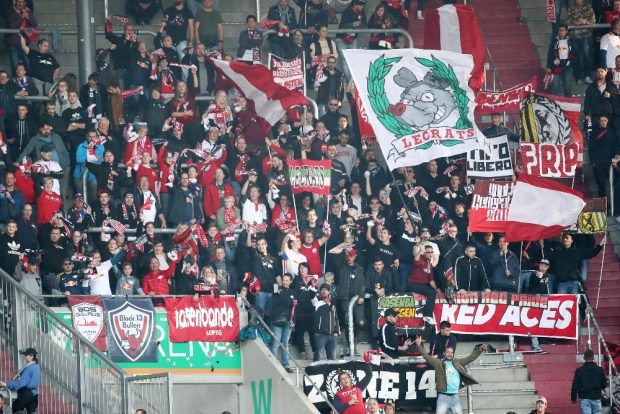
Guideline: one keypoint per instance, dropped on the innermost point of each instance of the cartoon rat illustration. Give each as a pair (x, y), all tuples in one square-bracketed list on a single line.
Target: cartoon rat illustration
[(424, 102)]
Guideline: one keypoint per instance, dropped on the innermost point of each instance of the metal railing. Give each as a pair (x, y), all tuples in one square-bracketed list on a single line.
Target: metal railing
[(75, 376), (152, 393), (298, 367), (601, 348), (356, 31), (51, 32)]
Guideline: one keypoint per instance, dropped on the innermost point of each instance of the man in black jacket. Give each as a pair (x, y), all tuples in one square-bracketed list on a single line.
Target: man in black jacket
[(469, 272), (350, 282), (602, 146), (378, 284), (326, 327), (389, 340), (264, 267), (353, 17), (283, 306), (19, 129), (588, 383), (598, 97), (566, 263)]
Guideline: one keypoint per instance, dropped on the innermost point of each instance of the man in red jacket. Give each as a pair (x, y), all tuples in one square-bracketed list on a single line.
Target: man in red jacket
[(156, 281), (215, 193)]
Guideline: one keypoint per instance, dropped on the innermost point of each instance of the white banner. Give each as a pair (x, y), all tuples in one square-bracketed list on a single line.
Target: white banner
[(417, 100), (496, 165)]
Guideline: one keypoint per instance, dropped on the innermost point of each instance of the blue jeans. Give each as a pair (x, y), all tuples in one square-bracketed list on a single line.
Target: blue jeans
[(562, 83), (263, 301), (447, 402), (568, 288), (403, 270), (283, 334), (583, 59), (327, 342), (342, 45), (590, 406)]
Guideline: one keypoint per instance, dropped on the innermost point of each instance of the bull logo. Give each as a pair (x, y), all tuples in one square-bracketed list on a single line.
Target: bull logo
[(132, 329)]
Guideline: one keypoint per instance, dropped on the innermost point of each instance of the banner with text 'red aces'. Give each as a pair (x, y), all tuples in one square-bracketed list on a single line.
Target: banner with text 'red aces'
[(208, 319), (88, 319), (131, 330), (489, 206)]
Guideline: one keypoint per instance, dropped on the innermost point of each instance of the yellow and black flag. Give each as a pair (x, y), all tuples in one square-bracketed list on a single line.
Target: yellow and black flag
[(593, 217)]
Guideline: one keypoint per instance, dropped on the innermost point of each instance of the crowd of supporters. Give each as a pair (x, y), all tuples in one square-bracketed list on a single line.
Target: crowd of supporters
[(132, 150)]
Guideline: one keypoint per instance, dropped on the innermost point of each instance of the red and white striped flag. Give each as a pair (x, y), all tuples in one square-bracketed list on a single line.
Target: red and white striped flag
[(265, 97), (541, 208), (454, 27)]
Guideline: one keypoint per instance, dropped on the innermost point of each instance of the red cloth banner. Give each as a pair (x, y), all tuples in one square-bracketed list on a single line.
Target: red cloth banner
[(208, 319), (362, 117), (312, 176), (489, 206), (501, 313), (551, 11), (549, 160), (495, 313), (506, 101), (87, 316), (288, 73)]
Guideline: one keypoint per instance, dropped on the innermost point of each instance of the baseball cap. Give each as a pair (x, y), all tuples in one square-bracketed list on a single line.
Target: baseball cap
[(29, 351), (541, 398), (544, 261), (351, 252), (48, 147), (33, 259), (390, 312), (325, 286)]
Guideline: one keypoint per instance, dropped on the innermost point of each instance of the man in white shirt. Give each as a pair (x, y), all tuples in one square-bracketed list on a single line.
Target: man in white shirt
[(97, 274), (290, 247), (46, 167), (148, 202), (610, 45), (254, 210)]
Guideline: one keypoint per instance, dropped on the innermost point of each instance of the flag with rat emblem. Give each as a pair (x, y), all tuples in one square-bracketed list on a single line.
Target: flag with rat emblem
[(418, 101)]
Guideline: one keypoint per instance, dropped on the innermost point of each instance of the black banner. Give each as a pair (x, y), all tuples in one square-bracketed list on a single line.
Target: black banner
[(407, 384), (131, 330)]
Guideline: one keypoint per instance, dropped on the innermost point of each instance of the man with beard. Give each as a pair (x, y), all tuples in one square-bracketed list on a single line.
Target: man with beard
[(450, 376)]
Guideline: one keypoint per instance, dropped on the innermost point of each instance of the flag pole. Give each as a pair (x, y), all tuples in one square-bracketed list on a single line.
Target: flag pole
[(325, 245), (600, 277), (295, 207)]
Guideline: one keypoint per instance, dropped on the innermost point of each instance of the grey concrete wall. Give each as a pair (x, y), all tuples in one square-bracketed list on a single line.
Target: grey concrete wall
[(206, 398), (262, 372)]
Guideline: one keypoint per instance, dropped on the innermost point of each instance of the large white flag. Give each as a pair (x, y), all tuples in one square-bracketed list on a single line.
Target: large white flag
[(418, 102)]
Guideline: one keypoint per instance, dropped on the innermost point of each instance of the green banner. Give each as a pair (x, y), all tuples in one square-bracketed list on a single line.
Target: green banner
[(214, 358)]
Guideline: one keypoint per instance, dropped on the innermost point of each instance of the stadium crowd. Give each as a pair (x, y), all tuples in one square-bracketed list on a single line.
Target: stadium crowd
[(155, 157)]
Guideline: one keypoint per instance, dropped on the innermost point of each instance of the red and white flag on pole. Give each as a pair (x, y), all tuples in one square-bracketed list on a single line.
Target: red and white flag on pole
[(265, 97), (541, 208), (454, 27)]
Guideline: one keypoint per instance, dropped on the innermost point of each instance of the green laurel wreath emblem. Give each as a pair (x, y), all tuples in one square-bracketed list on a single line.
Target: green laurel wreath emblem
[(382, 66)]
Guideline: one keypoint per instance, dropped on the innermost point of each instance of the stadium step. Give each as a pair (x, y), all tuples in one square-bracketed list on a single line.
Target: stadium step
[(503, 34)]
